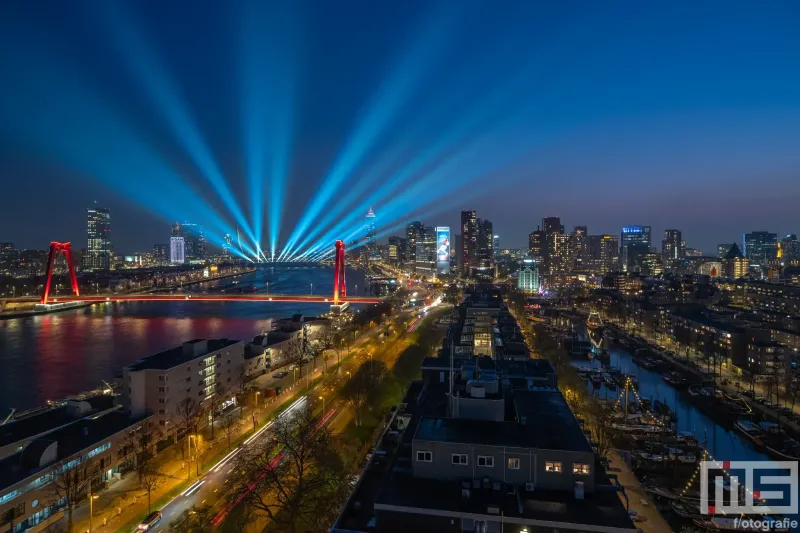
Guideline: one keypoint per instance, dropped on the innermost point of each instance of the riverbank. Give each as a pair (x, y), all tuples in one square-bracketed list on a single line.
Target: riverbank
[(34, 312)]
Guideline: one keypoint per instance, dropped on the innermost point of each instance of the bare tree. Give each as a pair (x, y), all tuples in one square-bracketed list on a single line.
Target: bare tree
[(71, 484), (188, 412), (149, 479), (301, 485), (296, 354), (139, 447), (229, 424), (360, 389), (215, 403)]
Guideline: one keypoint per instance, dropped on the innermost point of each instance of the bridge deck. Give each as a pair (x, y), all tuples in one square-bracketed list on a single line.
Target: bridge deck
[(300, 298)]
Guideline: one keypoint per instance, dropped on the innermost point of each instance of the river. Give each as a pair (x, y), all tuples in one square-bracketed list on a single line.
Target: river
[(48, 357)]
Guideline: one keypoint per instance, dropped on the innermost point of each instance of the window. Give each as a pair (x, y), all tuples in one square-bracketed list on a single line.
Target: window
[(161, 389), (460, 459), (8, 497), (426, 457), (552, 466), (99, 449), (160, 378), (486, 460), (162, 411), (513, 463), (161, 400), (580, 468)]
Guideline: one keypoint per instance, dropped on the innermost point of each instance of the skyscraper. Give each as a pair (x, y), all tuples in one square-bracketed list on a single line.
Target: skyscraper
[(413, 232), (485, 247), (469, 240), (177, 253), (790, 248), (603, 253), (672, 247), (161, 254), (99, 250), (735, 265), (496, 244), (552, 227), (536, 246), (194, 238), (579, 248), (760, 247), (371, 245), (426, 253), (528, 277), (635, 242), (723, 249)]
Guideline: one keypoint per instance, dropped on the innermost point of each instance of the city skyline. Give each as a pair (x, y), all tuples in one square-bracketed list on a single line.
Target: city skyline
[(551, 110)]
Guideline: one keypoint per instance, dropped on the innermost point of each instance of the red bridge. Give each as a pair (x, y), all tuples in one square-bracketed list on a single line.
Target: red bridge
[(339, 296)]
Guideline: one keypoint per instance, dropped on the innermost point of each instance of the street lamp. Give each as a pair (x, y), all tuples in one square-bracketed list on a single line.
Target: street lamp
[(257, 393), (323, 404), (92, 498), (312, 289)]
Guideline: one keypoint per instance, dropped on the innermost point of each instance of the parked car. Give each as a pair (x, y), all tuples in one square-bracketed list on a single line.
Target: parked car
[(279, 375), (150, 520)]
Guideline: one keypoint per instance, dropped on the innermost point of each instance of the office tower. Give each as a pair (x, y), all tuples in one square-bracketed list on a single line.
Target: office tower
[(790, 248), (194, 240), (226, 248), (469, 240), (99, 251), (485, 247), (443, 250), (528, 277), (177, 250), (396, 250), (161, 254), (426, 253), (603, 252), (413, 232), (456, 251), (536, 246), (635, 242), (371, 244), (735, 265), (496, 244), (723, 249), (672, 246), (760, 247), (552, 225), (579, 248)]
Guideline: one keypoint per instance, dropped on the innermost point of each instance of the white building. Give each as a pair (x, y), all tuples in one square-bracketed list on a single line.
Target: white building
[(528, 277), (177, 250), (197, 369)]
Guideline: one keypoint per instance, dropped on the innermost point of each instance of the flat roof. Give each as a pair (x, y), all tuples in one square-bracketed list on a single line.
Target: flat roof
[(179, 355), (49, 420), (600, 508), (548, 425), (71, 440)]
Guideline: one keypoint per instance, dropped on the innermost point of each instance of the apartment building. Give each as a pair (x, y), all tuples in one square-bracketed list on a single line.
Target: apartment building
[(197, 369)]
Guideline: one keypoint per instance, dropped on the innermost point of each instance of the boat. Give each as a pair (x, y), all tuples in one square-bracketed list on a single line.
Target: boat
[(687, 439), (681, 456), (650, 457), (685, 511), (675, 379), (639, 428), (597, 379), (610, 383), (786, 449), (750, 430)]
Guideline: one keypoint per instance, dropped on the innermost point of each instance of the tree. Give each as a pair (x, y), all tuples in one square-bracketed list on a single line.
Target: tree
[(188, 412), (139, 447), (296, 354), (215, 403), (149, 479), (361, 387), (295, 480), (194, 520), (71, 484), (228, 424)]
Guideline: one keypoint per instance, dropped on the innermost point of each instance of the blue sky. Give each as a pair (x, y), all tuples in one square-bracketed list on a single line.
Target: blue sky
[(285, 118)]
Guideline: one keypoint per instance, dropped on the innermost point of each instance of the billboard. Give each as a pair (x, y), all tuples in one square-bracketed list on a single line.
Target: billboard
[(443, 249)]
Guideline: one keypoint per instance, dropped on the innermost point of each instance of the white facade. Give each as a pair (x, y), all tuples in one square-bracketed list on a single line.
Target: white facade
[(197, 370), (177, 250)]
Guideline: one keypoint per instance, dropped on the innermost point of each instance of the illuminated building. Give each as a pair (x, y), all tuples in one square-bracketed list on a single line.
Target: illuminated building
[(396, 250), (713, 269), (603, 252), (371, 245), (723, 249), (469, 240), (528, 277), (536, 246), (579, 248), (736, 265), (790, 248), (426, 253), (177, 250), (551, 226), (651, 264), (413, 232), (760, 247), (194, 242), (672, 247), (161, 254), (635, 242), (443, 250), (485, 247), (693, 252), (99, 250), (496, 244), (559, 253), (227, 246)]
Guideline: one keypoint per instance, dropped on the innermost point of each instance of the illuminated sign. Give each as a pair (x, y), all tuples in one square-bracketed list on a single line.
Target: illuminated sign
[(632, 229), (443, 249)]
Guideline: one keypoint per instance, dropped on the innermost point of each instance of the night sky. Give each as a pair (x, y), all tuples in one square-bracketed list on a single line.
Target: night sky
[(671, 114)]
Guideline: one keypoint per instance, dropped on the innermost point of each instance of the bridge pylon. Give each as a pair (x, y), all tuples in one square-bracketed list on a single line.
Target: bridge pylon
[(338, 274), (66, 249)]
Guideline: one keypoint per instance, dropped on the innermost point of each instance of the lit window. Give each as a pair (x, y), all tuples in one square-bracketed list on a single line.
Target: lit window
[(513, 463), (552, 466), (460, 459), (486, 460), (581, 469), (426, 457)]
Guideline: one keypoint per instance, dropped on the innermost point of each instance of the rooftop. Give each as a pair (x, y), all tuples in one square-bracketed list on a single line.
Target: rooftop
[(181, 354), (71, 439)]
